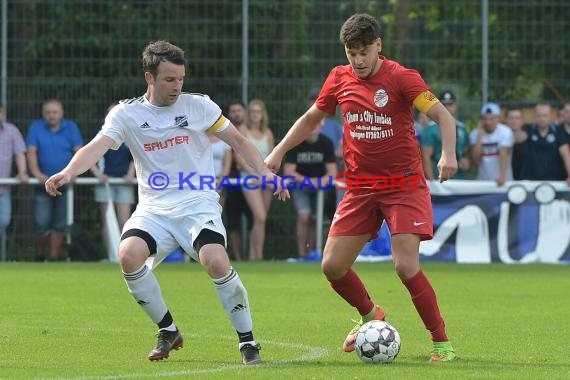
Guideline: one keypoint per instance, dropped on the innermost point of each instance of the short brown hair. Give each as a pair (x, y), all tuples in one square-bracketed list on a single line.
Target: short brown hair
[(359, 30), (161, 51)]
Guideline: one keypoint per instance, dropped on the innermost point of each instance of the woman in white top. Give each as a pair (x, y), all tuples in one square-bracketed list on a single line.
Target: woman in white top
[(256, 129)]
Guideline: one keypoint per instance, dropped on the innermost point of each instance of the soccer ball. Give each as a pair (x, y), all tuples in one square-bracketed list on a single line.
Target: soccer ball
[(377, 342)]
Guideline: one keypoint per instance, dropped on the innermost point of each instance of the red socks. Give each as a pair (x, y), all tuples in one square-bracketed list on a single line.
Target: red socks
[(351, 288), (425, 301)]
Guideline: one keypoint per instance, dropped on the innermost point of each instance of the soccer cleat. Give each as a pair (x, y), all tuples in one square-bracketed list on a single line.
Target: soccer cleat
[(442, 352), (250, 354), (348, 345), (167, 340)]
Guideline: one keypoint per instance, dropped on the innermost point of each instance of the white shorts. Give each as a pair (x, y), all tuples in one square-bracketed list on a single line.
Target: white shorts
[(178, 229), (119, 193)]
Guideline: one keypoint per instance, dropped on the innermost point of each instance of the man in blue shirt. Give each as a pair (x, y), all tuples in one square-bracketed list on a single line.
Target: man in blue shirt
[(546, 151), (51, 143)]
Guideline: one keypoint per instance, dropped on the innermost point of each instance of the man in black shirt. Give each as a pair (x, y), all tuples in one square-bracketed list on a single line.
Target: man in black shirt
[(313, 166)]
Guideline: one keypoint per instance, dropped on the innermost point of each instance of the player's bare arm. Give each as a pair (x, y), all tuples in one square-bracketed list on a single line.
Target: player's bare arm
[(251, 155), (427, 153), (447, 164), (82, 161), (300, 130)]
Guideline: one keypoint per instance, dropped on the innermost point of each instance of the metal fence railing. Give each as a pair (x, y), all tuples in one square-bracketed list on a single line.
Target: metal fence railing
[(79, 206)]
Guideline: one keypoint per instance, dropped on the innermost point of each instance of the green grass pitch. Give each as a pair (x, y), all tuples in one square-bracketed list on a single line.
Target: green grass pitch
[(78, 321)]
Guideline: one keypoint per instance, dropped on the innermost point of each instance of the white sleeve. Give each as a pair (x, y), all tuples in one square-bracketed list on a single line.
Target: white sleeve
[(212, 114), (112, 127), (507, 138)]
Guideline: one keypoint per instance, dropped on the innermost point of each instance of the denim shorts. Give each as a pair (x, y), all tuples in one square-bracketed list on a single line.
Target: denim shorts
[(305, 201), (50, 213), (119, 193)]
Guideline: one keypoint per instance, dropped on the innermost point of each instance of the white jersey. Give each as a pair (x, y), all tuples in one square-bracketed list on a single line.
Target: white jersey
[(489, 167), (168, 145)]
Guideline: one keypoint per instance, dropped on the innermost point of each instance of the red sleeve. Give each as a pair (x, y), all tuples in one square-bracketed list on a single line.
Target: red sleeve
[(411, 84), (327, 100)]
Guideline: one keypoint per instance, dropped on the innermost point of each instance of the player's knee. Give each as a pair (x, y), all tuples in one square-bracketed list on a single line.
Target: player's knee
[(406, 268), (135, 247), (207, 236), (210, 246), (331, 269)]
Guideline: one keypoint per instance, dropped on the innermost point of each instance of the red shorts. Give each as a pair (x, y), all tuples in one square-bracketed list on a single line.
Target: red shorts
[(362, 211)]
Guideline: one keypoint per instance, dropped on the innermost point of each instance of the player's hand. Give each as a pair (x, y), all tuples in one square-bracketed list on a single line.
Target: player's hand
[(55, 181), (281, 192), (447, 166), (273, 161), (42, 178)]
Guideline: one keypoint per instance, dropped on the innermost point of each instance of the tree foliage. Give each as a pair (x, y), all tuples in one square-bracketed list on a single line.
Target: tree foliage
[(88, 53)]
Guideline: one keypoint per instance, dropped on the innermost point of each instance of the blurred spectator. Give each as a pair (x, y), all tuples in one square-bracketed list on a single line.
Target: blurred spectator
[(332, 129), (313, 160), (236, 207), (514, 120), (256, 130), (115, 164), (491, 145), (421, 121), (222, 154), (431, 142), (11, 146), (546, 148), (564, 119), (51, 142)]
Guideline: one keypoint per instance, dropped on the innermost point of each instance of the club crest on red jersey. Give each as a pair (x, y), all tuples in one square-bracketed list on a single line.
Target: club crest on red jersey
[(381, 98)]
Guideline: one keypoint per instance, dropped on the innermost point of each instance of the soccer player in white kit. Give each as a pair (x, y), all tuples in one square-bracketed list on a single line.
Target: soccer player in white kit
[(167, 132)]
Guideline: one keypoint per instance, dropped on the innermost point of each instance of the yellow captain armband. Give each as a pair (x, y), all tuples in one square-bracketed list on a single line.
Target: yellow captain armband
[(424, 101), (219, 123)]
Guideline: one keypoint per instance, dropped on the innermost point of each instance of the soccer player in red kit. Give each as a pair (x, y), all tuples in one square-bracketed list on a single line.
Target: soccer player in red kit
[(377, 96)]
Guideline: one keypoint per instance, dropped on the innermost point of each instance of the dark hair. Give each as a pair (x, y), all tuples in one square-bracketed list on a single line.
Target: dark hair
[(513, 108), (359, 30), (234, 101), (161, 51), (52, 101)]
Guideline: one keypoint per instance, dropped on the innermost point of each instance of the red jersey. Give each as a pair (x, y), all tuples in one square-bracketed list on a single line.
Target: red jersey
[(379, 136)]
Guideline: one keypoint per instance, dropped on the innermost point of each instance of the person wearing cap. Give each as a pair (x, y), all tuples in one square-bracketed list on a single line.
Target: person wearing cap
[(546, 152), (431, 142), (491, 145)]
